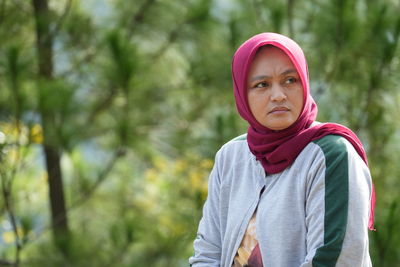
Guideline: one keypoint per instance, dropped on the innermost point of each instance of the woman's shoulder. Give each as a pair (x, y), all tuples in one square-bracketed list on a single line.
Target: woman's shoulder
[(239, 138), (235, 148), (238, 143), (334, 147), (332, 142)]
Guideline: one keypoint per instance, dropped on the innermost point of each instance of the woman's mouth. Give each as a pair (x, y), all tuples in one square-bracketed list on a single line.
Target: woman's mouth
[(278, 110)]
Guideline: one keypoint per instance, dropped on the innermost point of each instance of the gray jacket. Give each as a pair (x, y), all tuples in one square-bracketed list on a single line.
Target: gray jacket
[(314, 213)]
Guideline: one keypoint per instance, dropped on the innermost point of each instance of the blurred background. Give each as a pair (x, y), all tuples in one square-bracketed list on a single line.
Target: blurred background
[(111, 112)]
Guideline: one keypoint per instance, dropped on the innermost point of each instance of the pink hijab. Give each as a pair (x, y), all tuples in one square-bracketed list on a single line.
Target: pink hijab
[(276, 150)]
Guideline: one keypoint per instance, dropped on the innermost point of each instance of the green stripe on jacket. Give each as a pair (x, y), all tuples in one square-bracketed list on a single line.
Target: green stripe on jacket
[(336, 199)]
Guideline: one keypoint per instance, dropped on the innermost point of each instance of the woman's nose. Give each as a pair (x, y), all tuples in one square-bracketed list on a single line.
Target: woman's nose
[(277, 93)]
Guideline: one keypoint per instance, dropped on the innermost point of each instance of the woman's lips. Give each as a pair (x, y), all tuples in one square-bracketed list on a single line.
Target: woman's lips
[(279, 110)]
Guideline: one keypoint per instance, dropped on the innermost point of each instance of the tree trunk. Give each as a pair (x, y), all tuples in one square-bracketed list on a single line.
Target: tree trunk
[(52, 153)]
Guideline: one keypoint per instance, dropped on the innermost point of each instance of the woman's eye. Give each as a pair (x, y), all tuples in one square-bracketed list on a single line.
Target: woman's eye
[(290, 80), (261, 85)]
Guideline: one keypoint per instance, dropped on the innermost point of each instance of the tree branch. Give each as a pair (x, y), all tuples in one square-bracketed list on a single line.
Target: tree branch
[(139, 16), (86, 59), (102, 105), (6, 190), (118, 255), (7, 178), (7, 263), (100, 179), (61, 19), (83, 198), (172, 36)]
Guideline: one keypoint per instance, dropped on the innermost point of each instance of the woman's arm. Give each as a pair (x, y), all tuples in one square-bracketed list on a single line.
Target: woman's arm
[(207, 245), (337, 207)]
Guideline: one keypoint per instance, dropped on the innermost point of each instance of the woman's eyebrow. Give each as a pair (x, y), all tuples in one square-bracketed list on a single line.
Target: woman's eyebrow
[(288, 71), (261, 77)]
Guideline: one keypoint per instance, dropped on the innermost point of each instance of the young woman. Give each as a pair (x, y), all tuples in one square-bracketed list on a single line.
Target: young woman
[(292, 191)]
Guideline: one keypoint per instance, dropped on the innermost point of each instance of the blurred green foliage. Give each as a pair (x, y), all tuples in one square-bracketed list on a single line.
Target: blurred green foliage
[(139, 101)]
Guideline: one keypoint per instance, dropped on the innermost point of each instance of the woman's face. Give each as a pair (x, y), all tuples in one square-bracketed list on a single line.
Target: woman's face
[(275, 92)]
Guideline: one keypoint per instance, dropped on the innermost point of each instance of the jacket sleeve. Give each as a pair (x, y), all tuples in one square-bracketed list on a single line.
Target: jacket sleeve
[(207, 245), (337, 207)]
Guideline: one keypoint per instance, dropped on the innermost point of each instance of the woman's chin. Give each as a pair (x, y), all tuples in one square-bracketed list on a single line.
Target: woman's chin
[(279, 124)]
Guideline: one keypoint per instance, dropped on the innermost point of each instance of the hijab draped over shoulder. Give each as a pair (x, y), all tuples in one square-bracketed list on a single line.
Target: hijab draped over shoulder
[(276, 150)]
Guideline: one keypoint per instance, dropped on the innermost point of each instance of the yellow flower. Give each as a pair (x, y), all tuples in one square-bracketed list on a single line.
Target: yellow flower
[(8, 128), (160, 163), (180, 166), (8, 237), (13, 155), (15, 132), (196, 178), (36, 134), (206, 164), (151, 175)]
